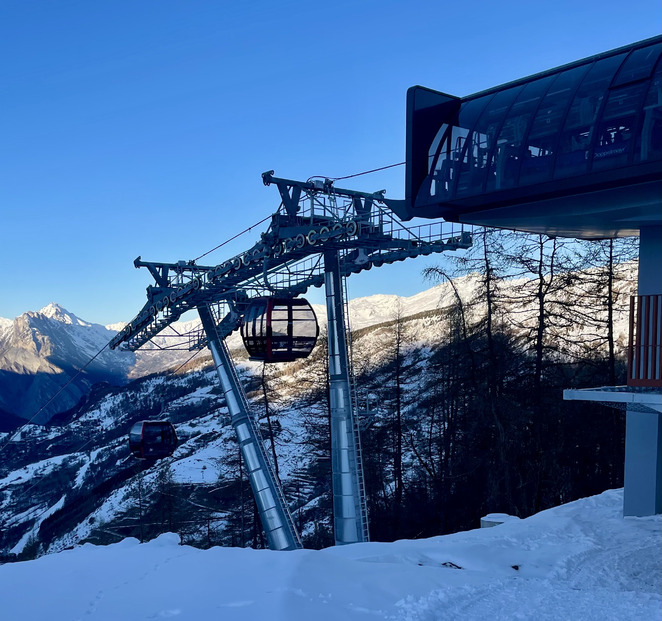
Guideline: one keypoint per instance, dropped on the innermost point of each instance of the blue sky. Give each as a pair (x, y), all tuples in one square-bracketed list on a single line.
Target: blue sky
[(142, 127)]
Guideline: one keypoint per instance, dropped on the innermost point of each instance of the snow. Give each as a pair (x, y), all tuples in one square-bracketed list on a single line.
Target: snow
[(379, 308), (116, 327), (5, 326), (33, 532), (202, 468), (80, 477), (61, 314), (579, 561), (37, 469)]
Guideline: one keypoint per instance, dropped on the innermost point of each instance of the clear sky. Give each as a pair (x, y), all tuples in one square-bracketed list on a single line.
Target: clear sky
[(142, 127)]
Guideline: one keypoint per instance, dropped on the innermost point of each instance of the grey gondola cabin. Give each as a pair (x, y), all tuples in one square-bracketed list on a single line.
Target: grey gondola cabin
[(152, 439), (279, 329)]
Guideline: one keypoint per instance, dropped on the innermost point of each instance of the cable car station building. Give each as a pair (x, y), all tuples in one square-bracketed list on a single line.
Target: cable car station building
[(576, 152)]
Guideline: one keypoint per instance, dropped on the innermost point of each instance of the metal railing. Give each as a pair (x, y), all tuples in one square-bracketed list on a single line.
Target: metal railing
[(644, 347)]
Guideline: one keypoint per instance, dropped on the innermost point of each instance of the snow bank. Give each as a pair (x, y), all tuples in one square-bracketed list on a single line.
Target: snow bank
[(578, 561)]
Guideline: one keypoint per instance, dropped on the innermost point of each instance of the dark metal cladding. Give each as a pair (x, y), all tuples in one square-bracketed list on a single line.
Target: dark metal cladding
[(279, 329), (152, 439), (568, 151)]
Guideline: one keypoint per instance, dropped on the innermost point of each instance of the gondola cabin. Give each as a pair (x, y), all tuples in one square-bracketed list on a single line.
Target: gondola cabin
[(279, 329), (152, 439)]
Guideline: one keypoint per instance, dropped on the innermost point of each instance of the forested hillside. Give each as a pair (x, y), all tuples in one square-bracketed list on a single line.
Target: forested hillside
[(476, 422)]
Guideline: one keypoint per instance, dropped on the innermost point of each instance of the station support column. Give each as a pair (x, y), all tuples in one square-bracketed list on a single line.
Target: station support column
[(643, 430), (274, 514), (349, 509)]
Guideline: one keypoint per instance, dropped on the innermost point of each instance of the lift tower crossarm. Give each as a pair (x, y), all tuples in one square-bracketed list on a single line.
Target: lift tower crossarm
[(288, 255), (318, 185), (160, 271)]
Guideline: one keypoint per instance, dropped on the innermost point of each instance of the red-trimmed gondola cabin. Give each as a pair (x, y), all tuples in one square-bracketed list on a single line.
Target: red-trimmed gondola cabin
[(152, 439), (279, 329)]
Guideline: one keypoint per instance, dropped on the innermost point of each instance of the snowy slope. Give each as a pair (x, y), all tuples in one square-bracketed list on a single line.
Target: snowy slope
[(579, 561), (381, 308)]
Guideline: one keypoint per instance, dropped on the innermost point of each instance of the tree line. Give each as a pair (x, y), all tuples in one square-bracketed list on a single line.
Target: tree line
[(480, 424)]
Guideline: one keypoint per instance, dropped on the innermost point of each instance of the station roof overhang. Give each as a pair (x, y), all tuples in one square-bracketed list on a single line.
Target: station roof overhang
[(597, 214)]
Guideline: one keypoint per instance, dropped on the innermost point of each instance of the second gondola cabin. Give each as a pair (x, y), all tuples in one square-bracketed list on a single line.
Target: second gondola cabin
[(279, 329), (152, 439)]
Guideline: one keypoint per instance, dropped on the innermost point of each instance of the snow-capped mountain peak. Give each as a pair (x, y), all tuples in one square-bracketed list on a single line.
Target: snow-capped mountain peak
[(116, 327), (38, 347), (61, 314)]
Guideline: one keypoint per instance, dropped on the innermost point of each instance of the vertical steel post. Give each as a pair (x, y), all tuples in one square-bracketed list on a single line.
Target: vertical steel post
[(274, 514), (349, 509), (643, 431)]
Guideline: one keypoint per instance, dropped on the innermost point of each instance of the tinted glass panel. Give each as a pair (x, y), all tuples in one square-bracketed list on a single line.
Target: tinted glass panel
[(253, 329), (542, 139), (279, 328), (615, 130), (304, 323), (638, 65), (450, 142), (470, 154), (648, 145), (507, 153), (436, 153), (152, 433), (135, 435), (576, 137), (490, 123)]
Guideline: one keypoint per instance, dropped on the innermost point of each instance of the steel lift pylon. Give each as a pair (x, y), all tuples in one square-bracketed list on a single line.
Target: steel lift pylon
[(274, 514), (320, 235), (350, 514)]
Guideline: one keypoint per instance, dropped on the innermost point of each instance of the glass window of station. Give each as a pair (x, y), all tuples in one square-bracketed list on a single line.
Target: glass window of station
[(603, 114)]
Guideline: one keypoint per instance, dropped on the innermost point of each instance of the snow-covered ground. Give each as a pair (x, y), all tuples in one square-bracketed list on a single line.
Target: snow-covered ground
[(581, 561)]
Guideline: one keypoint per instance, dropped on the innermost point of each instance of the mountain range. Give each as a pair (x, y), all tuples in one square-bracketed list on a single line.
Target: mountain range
[(40, 351)]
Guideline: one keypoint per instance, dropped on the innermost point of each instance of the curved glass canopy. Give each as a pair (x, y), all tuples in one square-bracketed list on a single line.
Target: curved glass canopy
[(586, 127)]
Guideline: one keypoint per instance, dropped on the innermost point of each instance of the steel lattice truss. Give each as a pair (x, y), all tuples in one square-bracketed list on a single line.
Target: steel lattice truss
[(314, 217)]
